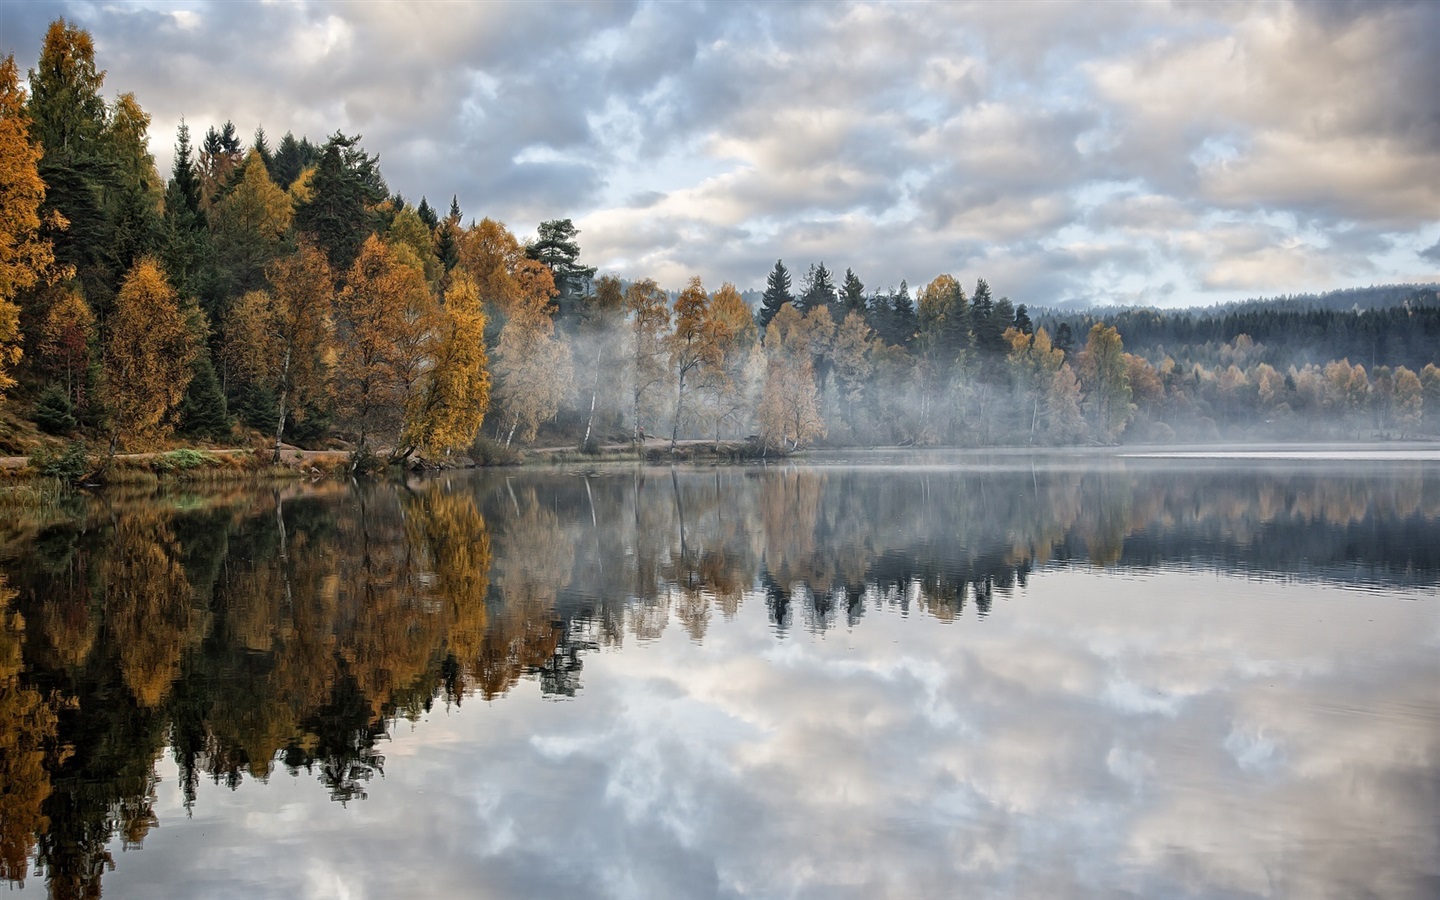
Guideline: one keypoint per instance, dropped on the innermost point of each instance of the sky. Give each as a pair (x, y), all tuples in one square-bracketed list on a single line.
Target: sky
[(1165, 154)]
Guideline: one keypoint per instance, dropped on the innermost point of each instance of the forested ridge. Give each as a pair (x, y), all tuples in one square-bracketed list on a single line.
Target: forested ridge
[(280, 291)]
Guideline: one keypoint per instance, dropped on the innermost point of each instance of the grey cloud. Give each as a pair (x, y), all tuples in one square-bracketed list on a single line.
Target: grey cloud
[(1431, 253), (950, 126)]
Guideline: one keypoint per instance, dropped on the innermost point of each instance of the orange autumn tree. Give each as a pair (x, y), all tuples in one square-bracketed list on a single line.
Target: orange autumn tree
[(148, 351), (25, 257), (381, 320), (64, 344), (493, 258)]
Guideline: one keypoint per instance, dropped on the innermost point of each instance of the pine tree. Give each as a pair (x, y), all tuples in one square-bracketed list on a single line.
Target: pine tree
[(777, 294), (852, 293), (1022, 320), (339, 215), (819, 290), (557, 249), (427, 214), (203, 412)]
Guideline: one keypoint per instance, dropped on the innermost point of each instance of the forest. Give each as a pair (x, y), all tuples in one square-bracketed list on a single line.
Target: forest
[(280, 293)]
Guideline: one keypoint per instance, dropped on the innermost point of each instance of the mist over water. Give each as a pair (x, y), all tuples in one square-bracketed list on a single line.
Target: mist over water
[(1061, 674)]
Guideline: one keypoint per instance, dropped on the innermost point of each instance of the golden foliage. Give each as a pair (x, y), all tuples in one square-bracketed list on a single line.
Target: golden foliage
[(148, 352), (25, 257), (148, 611), (448, 411), (383, 316), (1106, 379), (649, 312), (504, 277), (256, 206), (27, 725)]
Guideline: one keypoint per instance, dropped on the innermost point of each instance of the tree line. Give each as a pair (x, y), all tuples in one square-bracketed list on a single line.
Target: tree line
[(287, 291)]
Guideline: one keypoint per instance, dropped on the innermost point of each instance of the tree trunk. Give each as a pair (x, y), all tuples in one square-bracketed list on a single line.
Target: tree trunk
[(284, 396), (679, 409), (590, 422), (1034, 416)]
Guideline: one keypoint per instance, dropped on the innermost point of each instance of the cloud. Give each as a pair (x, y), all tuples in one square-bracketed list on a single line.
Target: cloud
[(1083, 741), (900, 140)]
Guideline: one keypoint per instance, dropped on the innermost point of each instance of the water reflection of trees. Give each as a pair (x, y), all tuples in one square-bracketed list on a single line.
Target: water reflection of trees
[(294, 627)]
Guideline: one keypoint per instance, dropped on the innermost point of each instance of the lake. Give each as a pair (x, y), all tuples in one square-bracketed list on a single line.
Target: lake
[(870, 675)]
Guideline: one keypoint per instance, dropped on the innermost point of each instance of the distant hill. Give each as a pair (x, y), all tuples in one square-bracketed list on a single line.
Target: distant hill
[(1383, 325)]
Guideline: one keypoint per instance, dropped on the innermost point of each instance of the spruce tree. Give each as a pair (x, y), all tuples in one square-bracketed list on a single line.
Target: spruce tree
[(262, 147), (904, 321), (819, 290), (203, 412), (777, 294), (291, 158), (427, 214), (852, 293), (345, 187)]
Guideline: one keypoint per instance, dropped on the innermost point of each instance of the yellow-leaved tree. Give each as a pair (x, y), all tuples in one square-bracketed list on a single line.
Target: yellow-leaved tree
[(446, 413), (381, 320), (278, 339), (251, 222), (25, 257), (730, 332), (1106, 381), (1034, 361), (148, 350), (649, 313)]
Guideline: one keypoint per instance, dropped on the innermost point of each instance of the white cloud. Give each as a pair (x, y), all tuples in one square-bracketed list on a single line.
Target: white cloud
[(900, 140)]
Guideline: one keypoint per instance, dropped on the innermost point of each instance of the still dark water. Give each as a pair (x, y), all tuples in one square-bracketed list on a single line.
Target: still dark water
[(984, 676)]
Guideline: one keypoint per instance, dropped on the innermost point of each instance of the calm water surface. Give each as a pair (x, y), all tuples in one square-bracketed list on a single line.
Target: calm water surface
[(986, 676)]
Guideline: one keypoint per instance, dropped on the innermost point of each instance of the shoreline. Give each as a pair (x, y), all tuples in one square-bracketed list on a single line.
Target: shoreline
[(237, 464)]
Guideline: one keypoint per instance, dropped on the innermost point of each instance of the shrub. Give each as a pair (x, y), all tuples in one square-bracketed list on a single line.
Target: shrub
[(488, 452), (68, 465)]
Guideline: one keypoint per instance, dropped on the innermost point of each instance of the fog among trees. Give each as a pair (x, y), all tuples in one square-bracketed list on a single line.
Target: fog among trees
[(288, 295)]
